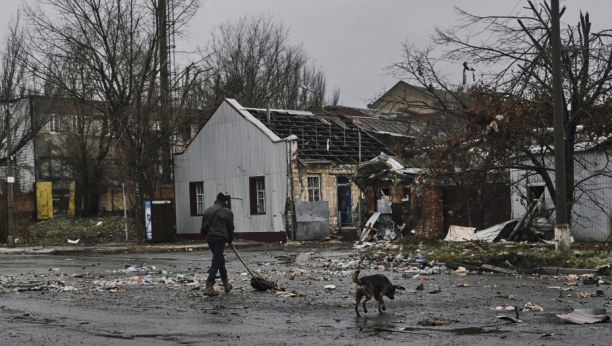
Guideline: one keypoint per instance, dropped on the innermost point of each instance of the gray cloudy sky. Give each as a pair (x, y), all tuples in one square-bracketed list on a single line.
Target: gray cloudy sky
[(354, 40)]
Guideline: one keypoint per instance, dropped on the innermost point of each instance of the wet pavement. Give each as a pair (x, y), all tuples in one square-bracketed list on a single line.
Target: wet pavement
[(156, 299)]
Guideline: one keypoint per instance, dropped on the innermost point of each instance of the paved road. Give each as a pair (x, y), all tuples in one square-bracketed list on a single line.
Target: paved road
[(45, 301)]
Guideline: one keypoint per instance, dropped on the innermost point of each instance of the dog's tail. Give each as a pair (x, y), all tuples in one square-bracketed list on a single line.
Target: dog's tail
[(356, 277)]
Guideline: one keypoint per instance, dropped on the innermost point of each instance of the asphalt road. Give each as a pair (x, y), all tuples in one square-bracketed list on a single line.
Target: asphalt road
[(90, 299)]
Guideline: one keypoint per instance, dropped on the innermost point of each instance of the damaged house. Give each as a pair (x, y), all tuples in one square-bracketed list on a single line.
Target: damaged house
[(287, 172), (592, 205)]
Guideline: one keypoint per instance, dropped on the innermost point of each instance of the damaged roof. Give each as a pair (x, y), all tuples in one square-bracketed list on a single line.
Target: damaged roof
[(324, 137)]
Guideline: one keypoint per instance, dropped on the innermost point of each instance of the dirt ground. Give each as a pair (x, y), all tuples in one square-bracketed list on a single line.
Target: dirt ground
[(102, 300)]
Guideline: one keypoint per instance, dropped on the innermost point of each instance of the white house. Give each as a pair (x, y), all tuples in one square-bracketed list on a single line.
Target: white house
[(254, 175), (592, 210)]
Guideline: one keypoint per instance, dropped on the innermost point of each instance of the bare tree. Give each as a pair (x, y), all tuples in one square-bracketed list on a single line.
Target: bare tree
[(105, 56), (503, 121), (252, 59), (15, 84)]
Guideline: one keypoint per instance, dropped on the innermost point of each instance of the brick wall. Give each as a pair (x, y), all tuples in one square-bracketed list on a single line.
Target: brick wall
[(112, 200), (430, 222)]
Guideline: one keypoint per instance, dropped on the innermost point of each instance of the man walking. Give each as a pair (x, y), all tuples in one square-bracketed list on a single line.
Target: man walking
[(221, 231)]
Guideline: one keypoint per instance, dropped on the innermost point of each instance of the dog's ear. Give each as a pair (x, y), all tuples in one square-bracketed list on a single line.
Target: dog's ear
[(401, 288)]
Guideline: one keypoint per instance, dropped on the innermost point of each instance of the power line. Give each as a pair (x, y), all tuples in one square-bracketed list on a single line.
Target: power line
[(391, 20)]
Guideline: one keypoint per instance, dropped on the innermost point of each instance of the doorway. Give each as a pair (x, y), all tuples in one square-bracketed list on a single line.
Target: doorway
[(345, 217)]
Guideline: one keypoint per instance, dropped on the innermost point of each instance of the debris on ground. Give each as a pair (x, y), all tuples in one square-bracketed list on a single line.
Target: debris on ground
[(598, 293), (462, 285), (435, 321), (583, 316), (460, 271), (531, 307)]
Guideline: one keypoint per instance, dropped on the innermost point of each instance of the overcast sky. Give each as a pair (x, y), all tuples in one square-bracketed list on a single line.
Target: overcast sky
[(354, 40)]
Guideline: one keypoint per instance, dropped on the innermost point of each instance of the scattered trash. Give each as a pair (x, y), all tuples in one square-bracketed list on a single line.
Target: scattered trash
[(74, 241), (330, 287), (460, 271), (599, 293), (547, 335), (458, 233), (287, 294), (582, 316), (508, 318), (462, 285), (531, 307), (99, 223), (420, 287), (435, 321)]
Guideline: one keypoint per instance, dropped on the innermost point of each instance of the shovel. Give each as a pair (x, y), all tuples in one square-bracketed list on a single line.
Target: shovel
[(256, 282)]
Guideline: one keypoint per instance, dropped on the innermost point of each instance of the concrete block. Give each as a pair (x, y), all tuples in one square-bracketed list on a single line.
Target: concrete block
[(494, 269), (549, 271), (528, 271)]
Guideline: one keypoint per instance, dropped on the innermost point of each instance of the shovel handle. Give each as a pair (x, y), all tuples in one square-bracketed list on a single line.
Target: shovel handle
[(241, 260)]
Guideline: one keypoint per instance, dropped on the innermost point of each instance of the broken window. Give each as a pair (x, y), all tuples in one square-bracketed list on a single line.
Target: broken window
[(196, 197), (54, 123), (314, 187), (257, 194)]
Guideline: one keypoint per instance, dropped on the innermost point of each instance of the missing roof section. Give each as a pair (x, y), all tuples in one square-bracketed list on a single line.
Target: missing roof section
[(315, 132)]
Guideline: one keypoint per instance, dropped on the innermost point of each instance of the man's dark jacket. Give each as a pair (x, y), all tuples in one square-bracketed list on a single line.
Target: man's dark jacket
[(222, 226)]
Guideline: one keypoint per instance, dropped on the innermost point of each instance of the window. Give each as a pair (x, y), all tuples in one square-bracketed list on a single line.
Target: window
[(77, 123), (196, 198), (53, 168), (314, 187), (54, 123), (257, 194)]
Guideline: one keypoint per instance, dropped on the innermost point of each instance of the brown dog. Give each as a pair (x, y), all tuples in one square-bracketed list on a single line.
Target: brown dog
[(375, 286)]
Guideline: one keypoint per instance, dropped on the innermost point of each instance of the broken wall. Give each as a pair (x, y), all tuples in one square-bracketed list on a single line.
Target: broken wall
[(329, 172)]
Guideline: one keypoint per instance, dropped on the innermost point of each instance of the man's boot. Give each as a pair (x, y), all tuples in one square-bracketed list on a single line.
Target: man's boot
[(210, 289), (228, 287)]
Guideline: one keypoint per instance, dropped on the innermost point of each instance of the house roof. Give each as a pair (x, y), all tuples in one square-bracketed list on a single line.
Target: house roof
[(322, 137)]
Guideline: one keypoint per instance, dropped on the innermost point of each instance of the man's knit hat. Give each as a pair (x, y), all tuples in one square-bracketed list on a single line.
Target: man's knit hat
[(221, 197)]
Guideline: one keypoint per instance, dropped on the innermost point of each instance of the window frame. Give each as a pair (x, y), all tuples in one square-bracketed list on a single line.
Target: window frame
[(54, 119), (77, 123), (193, 198), (311, 190), (254, 195)]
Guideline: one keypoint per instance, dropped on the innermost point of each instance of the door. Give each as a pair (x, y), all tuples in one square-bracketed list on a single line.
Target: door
[(162, 221), (345, 217), (44, 201)]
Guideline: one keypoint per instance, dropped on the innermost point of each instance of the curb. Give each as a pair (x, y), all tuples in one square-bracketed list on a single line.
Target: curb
[(555, 271), (118, 249)]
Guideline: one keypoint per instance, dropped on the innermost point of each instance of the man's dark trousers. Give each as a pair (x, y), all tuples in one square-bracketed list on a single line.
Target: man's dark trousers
[(218, 261)]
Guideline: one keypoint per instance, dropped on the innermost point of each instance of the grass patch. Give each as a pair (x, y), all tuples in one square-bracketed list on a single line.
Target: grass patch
[(584, 255), (90, 231)]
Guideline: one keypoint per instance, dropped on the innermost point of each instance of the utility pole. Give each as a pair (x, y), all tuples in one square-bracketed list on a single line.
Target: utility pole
[(562, 227), (10, 240), (124, 212), (164, 86)]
